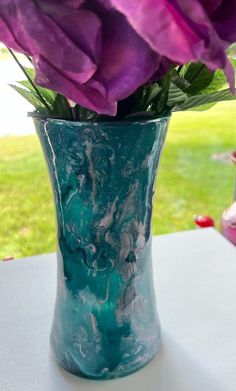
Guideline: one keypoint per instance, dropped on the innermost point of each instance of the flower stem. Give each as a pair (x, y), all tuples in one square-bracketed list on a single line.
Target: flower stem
[(41, 98)]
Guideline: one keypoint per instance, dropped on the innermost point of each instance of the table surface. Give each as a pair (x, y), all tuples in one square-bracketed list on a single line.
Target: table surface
[(195, 279)]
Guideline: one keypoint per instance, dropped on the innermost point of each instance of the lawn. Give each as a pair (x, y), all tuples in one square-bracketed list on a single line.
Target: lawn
[(189, 181)]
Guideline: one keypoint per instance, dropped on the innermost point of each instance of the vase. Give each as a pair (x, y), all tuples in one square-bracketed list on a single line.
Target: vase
[(103, 174)]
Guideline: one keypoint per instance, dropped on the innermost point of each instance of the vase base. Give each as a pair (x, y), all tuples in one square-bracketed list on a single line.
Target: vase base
[(105, 374)]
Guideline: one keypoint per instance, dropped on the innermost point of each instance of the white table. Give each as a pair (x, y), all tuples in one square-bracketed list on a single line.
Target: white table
[(195, 275)]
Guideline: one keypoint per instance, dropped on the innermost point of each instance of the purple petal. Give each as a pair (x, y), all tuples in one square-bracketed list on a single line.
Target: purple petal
[(224, 20), (51, 35), (67, 3), (106, 4), (51, 40), (179, 30), (82, 28), (11, 32), (89, 95), (210, 5), (163, 27), (120, 72), (163, 68), (127, 61)]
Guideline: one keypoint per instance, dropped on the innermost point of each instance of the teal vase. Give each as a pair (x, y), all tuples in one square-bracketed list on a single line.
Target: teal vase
[(105, 322)]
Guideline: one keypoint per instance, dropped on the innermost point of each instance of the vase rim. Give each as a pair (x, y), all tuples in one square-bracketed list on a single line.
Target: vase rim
[(102, 123)]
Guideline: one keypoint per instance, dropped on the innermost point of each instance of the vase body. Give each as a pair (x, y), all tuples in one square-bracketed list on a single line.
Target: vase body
[(105, 321)]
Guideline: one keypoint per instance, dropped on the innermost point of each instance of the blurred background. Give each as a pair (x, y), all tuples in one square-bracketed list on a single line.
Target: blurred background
[(195, 176)]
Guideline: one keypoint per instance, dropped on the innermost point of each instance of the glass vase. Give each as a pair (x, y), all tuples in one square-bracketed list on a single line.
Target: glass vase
[(103, 174)]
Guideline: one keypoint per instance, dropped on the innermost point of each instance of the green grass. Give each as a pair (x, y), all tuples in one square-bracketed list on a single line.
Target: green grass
[(189, 182)]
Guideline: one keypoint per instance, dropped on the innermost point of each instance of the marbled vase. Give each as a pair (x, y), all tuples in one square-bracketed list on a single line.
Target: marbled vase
[(105, 322)]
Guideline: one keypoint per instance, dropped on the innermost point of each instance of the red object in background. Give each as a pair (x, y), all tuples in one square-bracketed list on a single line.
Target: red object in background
[(228, 223), (204, 221), (233, 157)]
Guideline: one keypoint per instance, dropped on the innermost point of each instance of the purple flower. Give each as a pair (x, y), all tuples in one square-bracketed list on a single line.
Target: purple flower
[(97, 52), (184, 30)]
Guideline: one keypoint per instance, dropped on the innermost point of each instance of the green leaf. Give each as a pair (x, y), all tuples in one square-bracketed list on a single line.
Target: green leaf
[(233, 61), (61, 108), (205, 107), (152, 92), (199, 77), (30, 72), (179, 81), (218, 81), (199, 100), (176, 96), (31, 97), (48, 95), (159, 104)]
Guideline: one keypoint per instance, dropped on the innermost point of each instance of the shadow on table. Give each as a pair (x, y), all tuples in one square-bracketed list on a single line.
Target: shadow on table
[(173, 369)]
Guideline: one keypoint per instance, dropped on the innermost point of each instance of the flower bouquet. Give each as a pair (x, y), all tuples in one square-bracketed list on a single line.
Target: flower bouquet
[(104, 77)]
